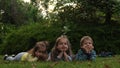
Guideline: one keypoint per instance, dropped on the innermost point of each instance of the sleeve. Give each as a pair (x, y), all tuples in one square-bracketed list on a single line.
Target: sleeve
[(49, 57), (79, 55), (55, 58), (76, 56), (93, 55), (24, 57), (70, 58), (30, 58)]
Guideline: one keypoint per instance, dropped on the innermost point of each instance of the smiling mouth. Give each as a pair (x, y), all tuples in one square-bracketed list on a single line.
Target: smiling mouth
[(63, 47)]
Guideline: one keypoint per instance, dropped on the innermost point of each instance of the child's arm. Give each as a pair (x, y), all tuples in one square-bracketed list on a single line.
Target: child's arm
[(80, 55), (43, 56), (60, 55), (30, 58), (93, 55), (67, 57), (56, 58), (49, 57)]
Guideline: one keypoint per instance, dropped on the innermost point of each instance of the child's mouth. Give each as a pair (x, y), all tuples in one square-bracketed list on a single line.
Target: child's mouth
[(63, 47)]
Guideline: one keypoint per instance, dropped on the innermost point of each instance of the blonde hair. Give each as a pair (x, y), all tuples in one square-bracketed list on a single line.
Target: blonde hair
[(85, 38), (55, 51)]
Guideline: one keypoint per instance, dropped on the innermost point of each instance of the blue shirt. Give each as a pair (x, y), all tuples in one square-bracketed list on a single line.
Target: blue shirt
[(81, 55)]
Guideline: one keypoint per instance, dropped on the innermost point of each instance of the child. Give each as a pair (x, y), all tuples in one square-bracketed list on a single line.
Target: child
[(38, 52), (61, 50), (87, 49)]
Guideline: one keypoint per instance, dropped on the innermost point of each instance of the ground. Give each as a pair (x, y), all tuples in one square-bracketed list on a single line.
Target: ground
[(101, 62)]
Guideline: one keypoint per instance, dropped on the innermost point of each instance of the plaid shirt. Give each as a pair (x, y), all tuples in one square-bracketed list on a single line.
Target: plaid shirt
[(81, 55)]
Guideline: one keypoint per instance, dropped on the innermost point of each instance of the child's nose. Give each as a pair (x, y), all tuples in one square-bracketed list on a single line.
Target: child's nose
[(88, 44)]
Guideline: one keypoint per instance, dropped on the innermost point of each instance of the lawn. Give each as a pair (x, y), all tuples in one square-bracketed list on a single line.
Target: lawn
[(108, 62)]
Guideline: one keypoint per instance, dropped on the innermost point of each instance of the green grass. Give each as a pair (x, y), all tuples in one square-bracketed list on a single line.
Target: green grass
[(109, 62)]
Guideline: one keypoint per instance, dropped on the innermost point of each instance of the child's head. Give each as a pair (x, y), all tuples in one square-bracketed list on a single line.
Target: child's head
[(40, 47), (86, 42), (62, 43)]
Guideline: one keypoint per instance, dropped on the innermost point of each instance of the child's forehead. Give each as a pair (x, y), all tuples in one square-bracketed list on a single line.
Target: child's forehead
[(63, 39), (40, 43), (87, 40)]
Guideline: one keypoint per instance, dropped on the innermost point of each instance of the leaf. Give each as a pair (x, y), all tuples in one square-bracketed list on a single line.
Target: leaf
[(52, 65), (106, 66)]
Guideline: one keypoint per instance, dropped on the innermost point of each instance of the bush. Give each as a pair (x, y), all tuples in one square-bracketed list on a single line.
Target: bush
[(106, 37), (26, 37)]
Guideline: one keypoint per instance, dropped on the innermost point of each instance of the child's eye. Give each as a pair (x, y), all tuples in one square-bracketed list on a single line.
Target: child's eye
[(84, 43), (60, 43), (43, 45), (90, 43), (65, 43)]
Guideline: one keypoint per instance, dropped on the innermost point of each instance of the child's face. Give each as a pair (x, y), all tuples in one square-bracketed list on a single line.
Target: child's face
[(37, 53), (87, 44), (62, 45), (42, 47)]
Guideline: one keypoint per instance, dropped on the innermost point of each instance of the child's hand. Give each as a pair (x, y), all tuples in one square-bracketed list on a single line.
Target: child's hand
[(66, 56), (88, 48), (91, 47), (43, 56), (60, 55)]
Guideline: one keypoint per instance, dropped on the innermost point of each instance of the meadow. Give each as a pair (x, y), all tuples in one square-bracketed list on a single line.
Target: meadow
[(101, 62)]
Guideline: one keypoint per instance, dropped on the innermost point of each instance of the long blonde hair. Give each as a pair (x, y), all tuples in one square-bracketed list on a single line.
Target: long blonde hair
[(55, 51)]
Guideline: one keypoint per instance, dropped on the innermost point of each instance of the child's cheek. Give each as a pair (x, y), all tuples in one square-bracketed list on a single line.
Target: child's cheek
[(85, 46), (66, 48)]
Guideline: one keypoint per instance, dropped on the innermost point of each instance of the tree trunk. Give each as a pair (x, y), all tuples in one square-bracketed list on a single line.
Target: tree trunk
[(108, 15)]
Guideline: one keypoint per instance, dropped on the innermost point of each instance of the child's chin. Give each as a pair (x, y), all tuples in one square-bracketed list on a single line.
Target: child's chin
[(43, 50), (65, 50)]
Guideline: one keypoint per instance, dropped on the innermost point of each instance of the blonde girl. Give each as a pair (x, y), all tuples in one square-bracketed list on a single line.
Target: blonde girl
[(61, 50)]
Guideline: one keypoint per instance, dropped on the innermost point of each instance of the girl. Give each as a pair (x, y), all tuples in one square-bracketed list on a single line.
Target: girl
[(38, 52), (61, 50), (87, 51)]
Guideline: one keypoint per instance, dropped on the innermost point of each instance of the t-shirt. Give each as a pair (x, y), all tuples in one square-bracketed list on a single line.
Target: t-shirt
[(28, 57)]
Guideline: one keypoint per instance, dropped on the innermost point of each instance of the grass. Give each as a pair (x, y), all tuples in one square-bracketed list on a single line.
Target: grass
[(108, 62)]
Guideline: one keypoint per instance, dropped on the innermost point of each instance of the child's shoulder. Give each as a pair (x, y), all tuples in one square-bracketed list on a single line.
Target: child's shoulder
[(80, 51), (93, 51)]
